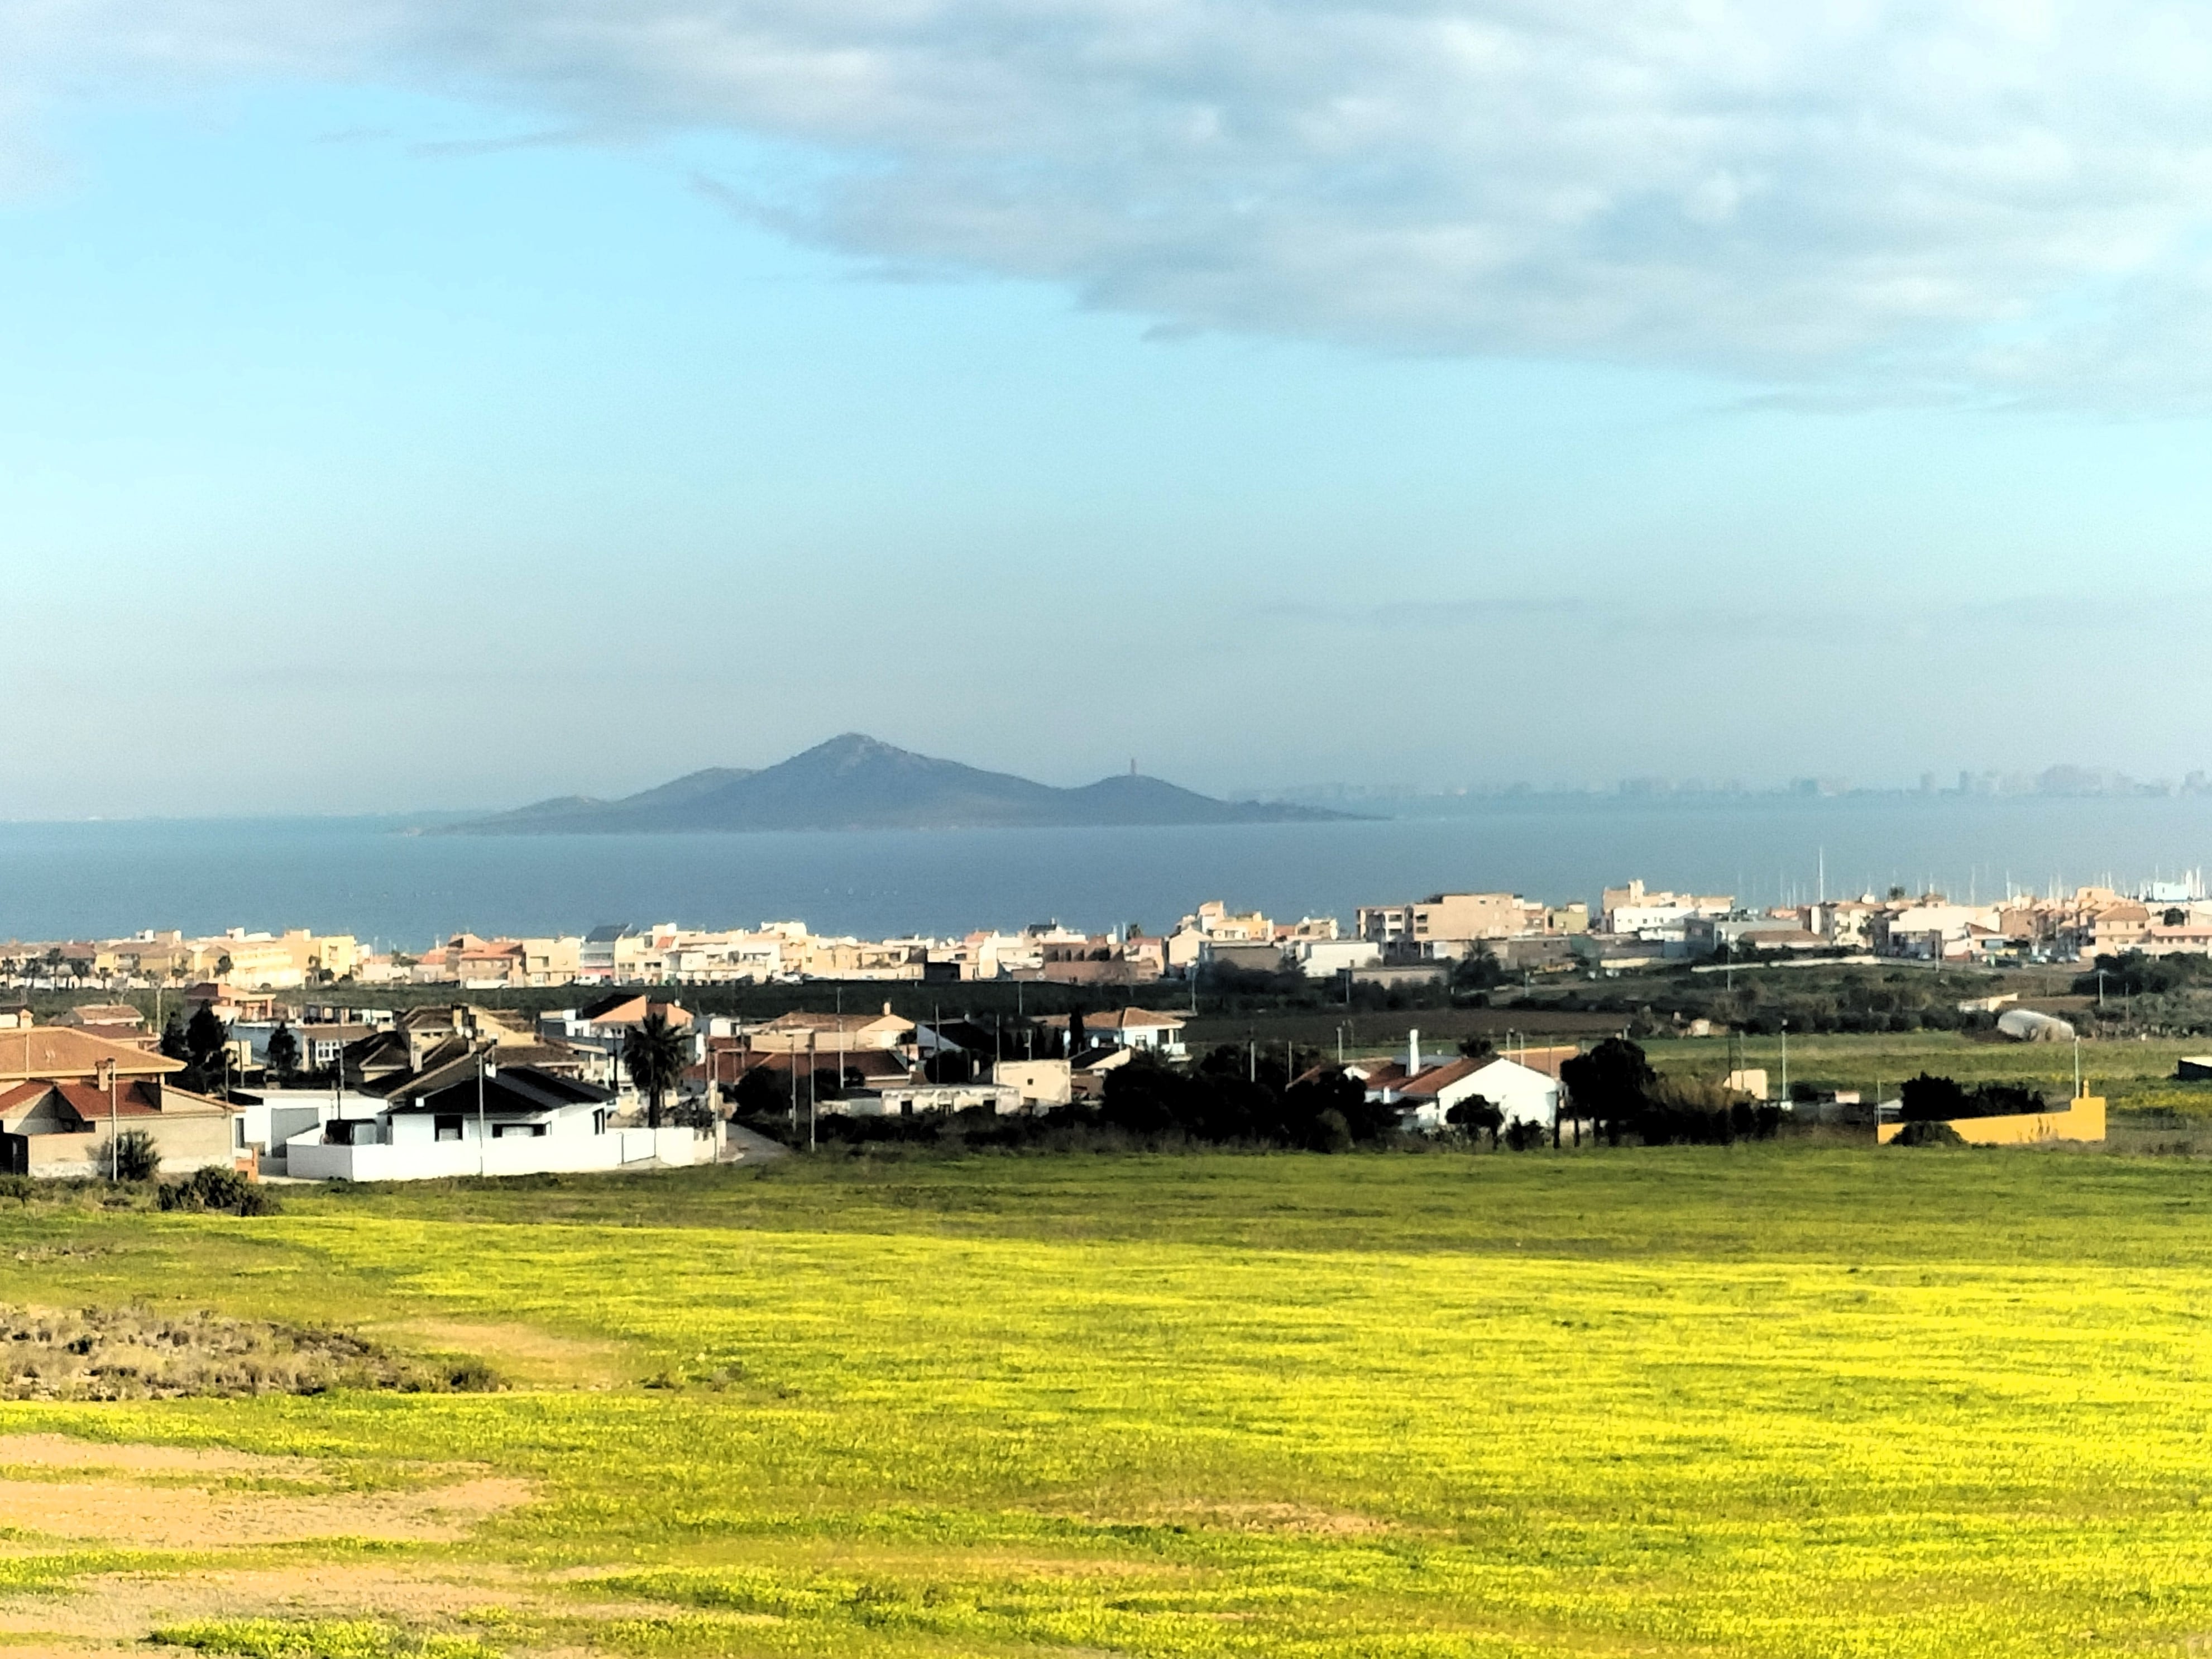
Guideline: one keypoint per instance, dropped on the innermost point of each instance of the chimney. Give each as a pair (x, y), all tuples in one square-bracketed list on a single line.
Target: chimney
[(1413, 1051)]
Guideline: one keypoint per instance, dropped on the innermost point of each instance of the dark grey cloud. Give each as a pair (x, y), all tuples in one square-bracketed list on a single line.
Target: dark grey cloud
[(1876, 200)]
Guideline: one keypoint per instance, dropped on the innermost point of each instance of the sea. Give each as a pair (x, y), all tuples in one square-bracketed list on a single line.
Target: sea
[(383, 881)]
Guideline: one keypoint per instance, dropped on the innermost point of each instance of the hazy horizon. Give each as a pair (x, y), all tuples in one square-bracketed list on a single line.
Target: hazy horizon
[(435, 408)]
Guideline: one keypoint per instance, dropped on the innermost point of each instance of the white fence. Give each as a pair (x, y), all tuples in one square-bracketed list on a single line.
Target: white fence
[(307, 1158)]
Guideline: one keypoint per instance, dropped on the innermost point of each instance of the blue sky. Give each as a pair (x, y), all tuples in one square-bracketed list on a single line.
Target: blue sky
[(432, 421)]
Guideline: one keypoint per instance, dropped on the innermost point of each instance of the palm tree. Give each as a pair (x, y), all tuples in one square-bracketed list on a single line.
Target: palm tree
[(653, 1054)]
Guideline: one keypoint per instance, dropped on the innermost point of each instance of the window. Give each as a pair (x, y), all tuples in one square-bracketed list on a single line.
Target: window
[(449, 1126), (501, 1131)]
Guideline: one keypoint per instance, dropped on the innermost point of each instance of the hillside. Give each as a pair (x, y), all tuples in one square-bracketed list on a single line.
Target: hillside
[(856, 782)]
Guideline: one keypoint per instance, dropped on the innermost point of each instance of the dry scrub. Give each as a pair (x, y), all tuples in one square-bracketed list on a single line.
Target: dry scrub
[(130, 1353)]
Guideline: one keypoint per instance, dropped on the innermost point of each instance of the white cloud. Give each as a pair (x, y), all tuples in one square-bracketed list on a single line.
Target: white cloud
[(2002, 197)]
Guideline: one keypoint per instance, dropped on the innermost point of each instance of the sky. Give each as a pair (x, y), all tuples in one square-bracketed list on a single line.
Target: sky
[(411, 406)]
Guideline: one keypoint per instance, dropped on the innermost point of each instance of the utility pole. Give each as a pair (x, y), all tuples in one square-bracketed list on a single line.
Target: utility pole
[(484, 1153), (114, 1127)]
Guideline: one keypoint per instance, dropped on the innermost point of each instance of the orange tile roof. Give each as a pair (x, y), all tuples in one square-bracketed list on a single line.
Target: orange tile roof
[(61, 1053)]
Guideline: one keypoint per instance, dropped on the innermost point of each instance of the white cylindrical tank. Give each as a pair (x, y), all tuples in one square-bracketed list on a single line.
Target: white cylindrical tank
[(2026, 1026)]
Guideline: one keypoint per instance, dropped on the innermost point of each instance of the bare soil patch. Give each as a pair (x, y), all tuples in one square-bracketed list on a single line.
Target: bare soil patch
[(187, 1497), (121, 1607), (171, 1516), (58, 1451)]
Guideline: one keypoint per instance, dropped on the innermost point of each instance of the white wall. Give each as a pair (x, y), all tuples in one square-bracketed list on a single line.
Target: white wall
[(425, 1159)]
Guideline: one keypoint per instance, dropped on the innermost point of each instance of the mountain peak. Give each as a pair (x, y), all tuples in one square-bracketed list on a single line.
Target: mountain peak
[(855, 781)]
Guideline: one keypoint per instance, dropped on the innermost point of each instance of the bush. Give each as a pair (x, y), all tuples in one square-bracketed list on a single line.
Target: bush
[(1929, 1132), (1474, 1115), (1523, 1136), (1331, 1133), (696, 1114), (134, 1156), (217, 1189)]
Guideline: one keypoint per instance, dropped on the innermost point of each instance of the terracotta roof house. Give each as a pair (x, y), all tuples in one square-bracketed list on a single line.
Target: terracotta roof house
[(629, 1009), (62, 1091), (827, 1033)]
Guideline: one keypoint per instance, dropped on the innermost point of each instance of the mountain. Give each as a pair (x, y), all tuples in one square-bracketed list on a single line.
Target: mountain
[(855, 782)]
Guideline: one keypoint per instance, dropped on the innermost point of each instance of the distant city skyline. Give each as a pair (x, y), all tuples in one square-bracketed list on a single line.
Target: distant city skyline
[(412, 411)]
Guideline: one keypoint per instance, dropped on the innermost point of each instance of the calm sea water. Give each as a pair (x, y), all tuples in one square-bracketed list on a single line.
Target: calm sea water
[(363, 876)]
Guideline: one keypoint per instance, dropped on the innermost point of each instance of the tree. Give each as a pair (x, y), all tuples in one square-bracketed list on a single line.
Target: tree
[(173, 1046), (1074, 1032), (654, 1054), (1145, 1097), (1926, 1099), (1475, 1114), (1609, 1084), (1477, 1047), (1478, 971), (757, 1094), (283, 1050), (207, 1040), (1313, 1110)]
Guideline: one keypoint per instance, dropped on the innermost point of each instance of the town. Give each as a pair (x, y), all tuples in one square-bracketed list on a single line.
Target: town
[(1632, 926), (247, 1055)]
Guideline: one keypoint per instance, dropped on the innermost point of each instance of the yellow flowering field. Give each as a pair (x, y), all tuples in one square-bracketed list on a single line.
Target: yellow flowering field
[(1680, 1401)]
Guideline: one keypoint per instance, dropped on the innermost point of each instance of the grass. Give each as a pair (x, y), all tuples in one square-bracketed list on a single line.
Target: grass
[(1759, 1401), (2124, 1072)]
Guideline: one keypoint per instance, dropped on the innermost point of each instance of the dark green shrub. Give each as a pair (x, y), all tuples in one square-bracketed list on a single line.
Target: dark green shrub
[(1929, 1132), (1523, 1136), (217, 1189)]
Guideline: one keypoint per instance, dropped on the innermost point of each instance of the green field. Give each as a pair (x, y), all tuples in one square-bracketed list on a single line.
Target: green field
[(2121, 1071), (1767, 1400)]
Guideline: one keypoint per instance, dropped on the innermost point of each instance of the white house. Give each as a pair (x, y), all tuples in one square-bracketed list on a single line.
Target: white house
[(1522, 1094), (521, 1121)]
